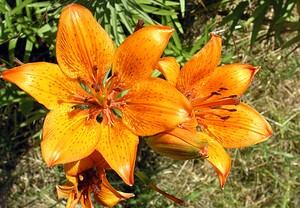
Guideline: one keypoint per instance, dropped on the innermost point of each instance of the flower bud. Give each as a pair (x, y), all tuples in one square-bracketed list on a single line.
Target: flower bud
[(171, 146)]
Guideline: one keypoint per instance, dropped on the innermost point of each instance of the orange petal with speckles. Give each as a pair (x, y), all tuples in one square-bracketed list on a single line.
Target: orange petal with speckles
[(46, 83), (77, 167), (137, 56), (200, 66), (68, 135), (83, 47), (169, 67), (227, 80), (73, 169), (108, 196), (118, 147), (218, 157), (154, 106), (235, 126)]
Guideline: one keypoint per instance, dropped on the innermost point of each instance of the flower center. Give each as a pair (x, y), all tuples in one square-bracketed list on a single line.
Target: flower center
[(105, 101), (90, 178)]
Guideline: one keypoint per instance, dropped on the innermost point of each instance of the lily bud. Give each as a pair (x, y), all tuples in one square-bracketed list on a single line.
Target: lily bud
[(175, 148)]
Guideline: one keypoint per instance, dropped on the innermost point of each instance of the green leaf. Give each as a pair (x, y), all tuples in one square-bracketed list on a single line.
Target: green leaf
[(236, 13), (19, 7), (259, 15), (294, 40)]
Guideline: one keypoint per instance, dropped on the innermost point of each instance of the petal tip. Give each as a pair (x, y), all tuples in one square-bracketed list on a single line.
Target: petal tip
[(214, 35), (127, 175)]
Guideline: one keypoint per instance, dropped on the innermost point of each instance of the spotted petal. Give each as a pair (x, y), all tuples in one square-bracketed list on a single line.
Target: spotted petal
[(68, 135), (118, 147), (46, 83), (84, 49), (108, 196), (218, 157), (199, 67), (77, 167), (169, 67), (236, 126), (153, 106), (225, 81), (137, 56)]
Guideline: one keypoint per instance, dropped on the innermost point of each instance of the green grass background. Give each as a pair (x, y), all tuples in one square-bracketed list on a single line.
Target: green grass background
[(260, 33)]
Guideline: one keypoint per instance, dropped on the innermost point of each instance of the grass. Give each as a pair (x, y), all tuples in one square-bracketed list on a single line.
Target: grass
[(263, 175)]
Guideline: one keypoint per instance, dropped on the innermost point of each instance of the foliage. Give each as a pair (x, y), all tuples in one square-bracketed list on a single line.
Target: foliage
[(266, 23), (27, 32)]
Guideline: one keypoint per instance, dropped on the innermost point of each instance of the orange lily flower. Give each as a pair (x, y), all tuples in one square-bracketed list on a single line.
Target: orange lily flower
[(91, 112), (84, 179), (214, 92)]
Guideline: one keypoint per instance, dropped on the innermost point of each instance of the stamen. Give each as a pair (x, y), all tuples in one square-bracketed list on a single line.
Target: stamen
[(236, 99), (225, 118), (96, 189), (73, 112), (87, 99), (116, 74), (215, 93), (139, 25), (96, 87), (215, 107), (203, 152), (95, 67), (223, 88)]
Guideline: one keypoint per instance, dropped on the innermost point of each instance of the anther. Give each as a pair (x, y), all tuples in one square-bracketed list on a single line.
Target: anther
[(96, 87), (232, 110), (236, 99), (198, 128), (116, 73), (139, 25), (95, 67), (96, 189), (225, 117), (203, 152), (232, 96), (223, 88), (215, 107), (86, 99), (215, 93)]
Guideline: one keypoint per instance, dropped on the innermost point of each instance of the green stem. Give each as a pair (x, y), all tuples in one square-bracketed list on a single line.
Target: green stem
[(148, 182)]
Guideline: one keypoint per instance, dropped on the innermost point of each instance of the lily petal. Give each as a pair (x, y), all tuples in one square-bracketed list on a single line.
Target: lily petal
[(227, 80), (46, 83), (153, 106), (200, 66), (68, 135), (63, 191), (108, 196), (77, 167), (84, 49), (218, 157), (169, 67), (118, 146), (137, 56), (236, 126)]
